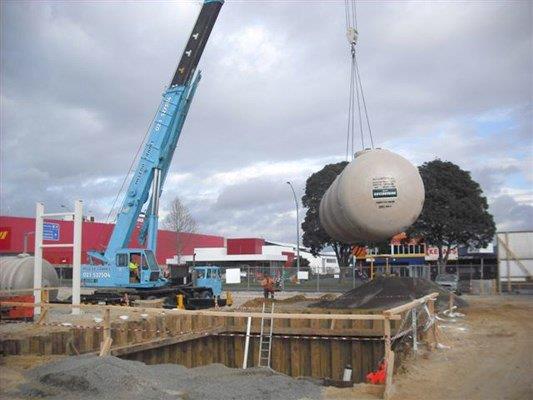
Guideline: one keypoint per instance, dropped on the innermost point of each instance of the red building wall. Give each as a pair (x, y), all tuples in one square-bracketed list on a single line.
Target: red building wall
[(95, 236), (245, 246)]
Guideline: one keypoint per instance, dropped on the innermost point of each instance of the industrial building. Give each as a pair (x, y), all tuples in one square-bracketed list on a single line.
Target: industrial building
[(257, 253), (17, 236)]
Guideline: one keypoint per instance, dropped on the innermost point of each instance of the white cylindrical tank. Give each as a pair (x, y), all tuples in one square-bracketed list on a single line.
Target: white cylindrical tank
[(377, 195), (16, 272)]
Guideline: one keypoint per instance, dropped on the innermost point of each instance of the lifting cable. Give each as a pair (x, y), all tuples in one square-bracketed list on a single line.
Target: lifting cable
[(356, 87)]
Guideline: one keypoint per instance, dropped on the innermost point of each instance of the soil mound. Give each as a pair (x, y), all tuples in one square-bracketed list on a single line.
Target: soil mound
[(258, 301), (387, 292)]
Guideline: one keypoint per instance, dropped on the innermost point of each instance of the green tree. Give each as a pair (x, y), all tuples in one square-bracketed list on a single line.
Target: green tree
[(455, 211), (315, 237)]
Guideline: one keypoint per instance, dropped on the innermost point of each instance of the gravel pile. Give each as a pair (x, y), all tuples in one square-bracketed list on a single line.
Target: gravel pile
[(387, 292), (90, 377)]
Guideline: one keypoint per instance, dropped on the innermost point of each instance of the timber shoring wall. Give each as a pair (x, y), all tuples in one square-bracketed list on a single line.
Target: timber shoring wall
[(315, 345), (317, 357), (301, 347)]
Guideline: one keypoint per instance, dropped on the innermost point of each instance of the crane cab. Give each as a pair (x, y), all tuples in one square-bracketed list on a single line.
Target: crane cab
[(135, 268)]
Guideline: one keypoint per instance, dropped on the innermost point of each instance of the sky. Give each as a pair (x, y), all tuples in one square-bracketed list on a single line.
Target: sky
[(81, 82)]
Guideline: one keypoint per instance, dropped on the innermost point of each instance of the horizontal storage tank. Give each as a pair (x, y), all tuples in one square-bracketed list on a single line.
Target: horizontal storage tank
[(16, 272), (377, 195)]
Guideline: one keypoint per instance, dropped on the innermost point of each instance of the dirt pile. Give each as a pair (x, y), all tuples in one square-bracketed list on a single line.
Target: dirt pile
[(386, 292), (258, 301), (90, 377)]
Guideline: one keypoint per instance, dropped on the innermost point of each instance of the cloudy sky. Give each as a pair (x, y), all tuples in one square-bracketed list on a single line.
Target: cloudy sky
[(80, 83)]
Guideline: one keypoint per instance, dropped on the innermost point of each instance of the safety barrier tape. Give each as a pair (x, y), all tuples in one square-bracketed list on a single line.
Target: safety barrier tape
[(343, 338)]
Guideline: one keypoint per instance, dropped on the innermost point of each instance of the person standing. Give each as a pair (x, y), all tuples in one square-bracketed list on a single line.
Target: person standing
[(268, 286)]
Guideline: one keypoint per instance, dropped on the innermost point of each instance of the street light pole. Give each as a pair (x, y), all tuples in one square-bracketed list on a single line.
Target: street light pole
[(297, 230)]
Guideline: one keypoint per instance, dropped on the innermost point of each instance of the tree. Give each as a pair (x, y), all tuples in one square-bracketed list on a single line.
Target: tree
[(315, 237), (455, 211), (180, 220)]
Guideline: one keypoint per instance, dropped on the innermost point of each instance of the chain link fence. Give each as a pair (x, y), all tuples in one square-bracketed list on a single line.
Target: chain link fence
[(332, 279)]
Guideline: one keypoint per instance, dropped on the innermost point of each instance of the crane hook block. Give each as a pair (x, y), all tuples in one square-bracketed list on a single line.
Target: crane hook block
[(352, 36)]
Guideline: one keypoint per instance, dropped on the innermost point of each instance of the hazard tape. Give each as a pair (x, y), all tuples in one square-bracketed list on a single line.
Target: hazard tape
[(279, 336)]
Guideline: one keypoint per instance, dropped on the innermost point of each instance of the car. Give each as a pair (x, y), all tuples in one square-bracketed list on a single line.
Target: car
[(449, 282)]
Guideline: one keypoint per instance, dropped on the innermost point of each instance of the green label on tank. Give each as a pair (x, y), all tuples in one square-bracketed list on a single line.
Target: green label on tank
[(380, 193)]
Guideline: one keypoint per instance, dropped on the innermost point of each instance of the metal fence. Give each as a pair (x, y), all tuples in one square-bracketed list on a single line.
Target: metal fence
[(346, 278), (332, 280)]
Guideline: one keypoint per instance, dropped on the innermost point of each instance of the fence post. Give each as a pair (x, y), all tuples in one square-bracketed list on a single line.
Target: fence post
[(38, 259), (318, 282), (76, 256), (248, 279), (415, 328), (433, 330)]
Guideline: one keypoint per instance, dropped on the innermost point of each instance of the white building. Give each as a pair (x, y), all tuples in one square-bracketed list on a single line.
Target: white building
[(254, 252)]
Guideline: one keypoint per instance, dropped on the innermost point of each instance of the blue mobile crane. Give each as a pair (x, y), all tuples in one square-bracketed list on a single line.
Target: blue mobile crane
[(109, 271)]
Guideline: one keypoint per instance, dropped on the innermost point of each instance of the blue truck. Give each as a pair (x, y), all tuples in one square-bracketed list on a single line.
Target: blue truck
[(110, 272)]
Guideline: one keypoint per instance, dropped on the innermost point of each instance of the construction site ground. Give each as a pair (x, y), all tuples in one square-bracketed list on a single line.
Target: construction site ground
[(490, 356)]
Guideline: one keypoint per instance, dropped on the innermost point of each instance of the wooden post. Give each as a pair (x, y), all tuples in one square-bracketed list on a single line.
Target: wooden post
[(433, 329), (450, 302), (388, 380), (105, 346), (386, 334), (508, 264), (42, 317)]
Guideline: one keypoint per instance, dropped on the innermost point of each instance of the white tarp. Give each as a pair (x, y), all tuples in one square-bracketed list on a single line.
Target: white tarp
[(517, 263), (233, 275)]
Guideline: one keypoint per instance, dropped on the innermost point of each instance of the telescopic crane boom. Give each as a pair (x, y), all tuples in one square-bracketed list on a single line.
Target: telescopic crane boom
[(110, 269)]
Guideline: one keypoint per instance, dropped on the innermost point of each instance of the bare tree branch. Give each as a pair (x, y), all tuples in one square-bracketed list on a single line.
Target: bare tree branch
[(180, 220)]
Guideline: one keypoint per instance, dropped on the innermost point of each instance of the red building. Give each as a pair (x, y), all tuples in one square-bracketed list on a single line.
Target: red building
[(15, 231)]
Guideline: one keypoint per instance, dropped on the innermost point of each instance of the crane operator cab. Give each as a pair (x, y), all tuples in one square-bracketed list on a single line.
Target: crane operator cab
[(136, 268)]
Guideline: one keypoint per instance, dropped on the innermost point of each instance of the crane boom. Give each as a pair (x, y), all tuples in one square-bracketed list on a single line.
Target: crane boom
[(153, 165)]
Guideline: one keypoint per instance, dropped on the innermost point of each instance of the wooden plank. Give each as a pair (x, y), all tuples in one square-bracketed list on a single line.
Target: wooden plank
[(315, 352), (160, 342), (325, 358), (408, 306), (386, 334), (106, 346), (357, 370), (336, 359), (295, 358), (212, 313), (238, 347)]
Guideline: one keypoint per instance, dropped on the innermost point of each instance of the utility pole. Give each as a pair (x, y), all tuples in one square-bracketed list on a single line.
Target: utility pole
[(297, 231)]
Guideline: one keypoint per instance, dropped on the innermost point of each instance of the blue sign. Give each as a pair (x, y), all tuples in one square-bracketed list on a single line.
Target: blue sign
[(50, 231)]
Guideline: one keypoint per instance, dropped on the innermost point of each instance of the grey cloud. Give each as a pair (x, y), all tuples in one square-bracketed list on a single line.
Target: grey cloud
[(511, 215), (82, 80)]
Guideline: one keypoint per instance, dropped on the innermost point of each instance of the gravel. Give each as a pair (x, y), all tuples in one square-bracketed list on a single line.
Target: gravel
[(90, 377)]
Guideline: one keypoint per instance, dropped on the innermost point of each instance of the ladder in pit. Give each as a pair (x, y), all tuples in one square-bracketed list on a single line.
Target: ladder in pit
[(265, 337)]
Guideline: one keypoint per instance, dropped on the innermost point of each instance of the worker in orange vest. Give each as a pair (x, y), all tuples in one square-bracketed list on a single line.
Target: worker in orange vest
[(268, 286)]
